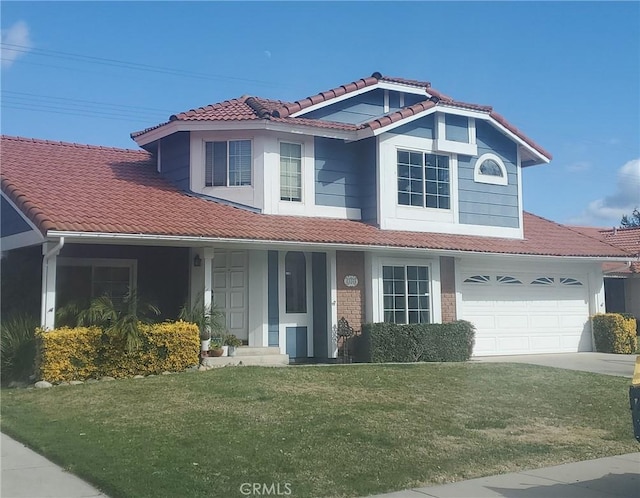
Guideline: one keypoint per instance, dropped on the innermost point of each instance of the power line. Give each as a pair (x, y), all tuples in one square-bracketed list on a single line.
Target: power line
[(87, 114), (126, 64), (25, 95)]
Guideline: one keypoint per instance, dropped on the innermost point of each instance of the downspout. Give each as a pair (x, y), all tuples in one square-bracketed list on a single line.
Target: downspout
[(54, 251)]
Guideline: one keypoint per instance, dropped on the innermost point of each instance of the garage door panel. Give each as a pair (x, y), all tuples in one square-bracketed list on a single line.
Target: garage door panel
[(527, 318), (512, 322)]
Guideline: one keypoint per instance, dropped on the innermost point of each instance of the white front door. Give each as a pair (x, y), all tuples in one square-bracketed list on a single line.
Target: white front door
[(296, 322), (230, 290)]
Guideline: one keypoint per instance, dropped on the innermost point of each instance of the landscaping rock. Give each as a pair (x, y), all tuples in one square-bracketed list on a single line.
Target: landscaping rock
[(42, 384), (91, 381), (76, 382), (106, 378), (63, 383), (152, 375), (138, 376), (202, 368), (166, 373)]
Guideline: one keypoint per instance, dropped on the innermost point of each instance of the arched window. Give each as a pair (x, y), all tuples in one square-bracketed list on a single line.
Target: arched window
[(490, 169), (295, 270)]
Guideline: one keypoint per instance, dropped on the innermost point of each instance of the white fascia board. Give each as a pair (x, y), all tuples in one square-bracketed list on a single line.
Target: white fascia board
[(31, 237), (194, 241), (368, 132), (448, 109), (257, 124), (400, 87)]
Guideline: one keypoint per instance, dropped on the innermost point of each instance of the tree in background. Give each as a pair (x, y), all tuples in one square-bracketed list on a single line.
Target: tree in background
[(631, 221)]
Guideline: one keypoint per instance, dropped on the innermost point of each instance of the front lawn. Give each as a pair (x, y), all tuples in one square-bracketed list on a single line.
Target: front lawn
[(347, 430)]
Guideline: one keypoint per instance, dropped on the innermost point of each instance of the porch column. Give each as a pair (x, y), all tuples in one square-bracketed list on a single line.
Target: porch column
[(333, 308), (202, 276), (50, 251)]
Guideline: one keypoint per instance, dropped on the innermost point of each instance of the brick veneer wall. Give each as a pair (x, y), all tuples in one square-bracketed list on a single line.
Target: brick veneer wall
[(350, 299), (448, 289)]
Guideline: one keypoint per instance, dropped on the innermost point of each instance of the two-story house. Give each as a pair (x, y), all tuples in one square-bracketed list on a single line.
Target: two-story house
[(379, 200)]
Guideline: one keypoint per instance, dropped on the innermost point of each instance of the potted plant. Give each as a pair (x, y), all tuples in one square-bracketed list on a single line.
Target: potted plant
[(215, 348), (220, 339), (207, 318), (232, 342)]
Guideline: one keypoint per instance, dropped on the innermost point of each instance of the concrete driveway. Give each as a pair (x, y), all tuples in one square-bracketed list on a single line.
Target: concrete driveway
[(621, 365)]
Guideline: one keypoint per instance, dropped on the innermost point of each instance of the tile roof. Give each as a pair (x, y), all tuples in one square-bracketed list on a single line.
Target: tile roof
[(249, 108), (627, 239), (71, 187)]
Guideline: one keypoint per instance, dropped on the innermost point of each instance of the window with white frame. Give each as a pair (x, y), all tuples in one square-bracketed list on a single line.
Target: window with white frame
[(490, 169), (80, 279), (228, 163), (423, 180), (290, 172), (406, 295)]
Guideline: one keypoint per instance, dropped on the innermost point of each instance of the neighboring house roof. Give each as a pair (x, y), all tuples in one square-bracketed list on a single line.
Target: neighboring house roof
[(627, 239), (248, 108), (81, 188)]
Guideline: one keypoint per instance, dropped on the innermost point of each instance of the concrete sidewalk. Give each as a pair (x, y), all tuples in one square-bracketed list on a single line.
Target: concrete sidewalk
[(612, 477), (25, 474)]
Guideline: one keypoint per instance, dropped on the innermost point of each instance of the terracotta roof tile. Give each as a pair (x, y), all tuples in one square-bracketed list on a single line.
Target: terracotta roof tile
[(70, 187), (249, 108), (627, 239)]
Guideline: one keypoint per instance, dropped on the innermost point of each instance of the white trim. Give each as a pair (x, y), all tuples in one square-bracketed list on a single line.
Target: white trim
[(31, 237), (338, 212), (22, 239), (385, 85), (248, 125), (401, 95), (50, 253), (200, 241), (449, 227), (520, 200), (479, 177), (435, 284), (332, 281), (367, 132)]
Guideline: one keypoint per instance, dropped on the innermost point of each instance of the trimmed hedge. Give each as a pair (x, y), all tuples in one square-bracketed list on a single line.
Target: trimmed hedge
[(614, 333), (389, 342), (80, 353)]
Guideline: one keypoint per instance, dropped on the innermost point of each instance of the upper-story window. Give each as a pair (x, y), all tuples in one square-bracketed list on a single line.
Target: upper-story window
[(423, 180), (290, 172), (228, 163), (490, 169)]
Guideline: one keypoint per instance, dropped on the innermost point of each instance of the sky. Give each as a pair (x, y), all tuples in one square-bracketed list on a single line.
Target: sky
[(565, 73)]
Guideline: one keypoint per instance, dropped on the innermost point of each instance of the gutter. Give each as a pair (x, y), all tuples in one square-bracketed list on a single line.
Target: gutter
[(191, 241), (54, 251)]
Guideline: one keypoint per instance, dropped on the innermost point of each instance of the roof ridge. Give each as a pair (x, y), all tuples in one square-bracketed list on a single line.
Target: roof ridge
[(579, 232), (215, 105), (76, 145)]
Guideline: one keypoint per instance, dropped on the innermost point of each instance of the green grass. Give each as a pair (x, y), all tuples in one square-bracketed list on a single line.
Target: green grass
[(346, 430)]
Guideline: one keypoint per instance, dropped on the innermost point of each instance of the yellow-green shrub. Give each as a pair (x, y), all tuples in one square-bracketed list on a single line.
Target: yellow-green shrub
[(614, 333), (80, 353)]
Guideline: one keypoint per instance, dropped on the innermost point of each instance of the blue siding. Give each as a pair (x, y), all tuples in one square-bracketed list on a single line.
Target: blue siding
[(320, 302), (175, 159), (491, 140), (368, 190), (344, 172), (412, 98), (421, 128), (296, 342), (485, 204), (456, 128), (354, 110), (273, 305), (11, 223)]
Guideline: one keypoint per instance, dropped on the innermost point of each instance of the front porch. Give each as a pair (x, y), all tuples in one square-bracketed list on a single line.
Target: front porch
[(283, 305)]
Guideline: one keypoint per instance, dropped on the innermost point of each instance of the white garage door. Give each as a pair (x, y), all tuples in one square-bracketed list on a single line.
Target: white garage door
[(526, 313)]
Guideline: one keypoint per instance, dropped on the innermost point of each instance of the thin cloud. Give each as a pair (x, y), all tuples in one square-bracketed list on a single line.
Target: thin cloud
[(607, 211), (15, 43)]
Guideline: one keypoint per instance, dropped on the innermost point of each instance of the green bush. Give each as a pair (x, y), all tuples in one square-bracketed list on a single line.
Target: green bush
[(17, 347), (614, 333), (389, 342), (79, 353)]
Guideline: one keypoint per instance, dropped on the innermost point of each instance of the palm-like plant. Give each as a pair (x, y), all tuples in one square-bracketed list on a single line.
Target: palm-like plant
[(17, 346), (208, 318), (121, 319)]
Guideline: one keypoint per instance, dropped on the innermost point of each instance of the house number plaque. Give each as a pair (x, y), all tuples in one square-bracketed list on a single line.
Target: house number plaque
[(350, 280)]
